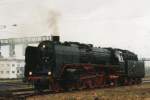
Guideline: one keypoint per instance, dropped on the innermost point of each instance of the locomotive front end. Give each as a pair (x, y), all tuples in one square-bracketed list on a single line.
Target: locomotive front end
[(39, 64)]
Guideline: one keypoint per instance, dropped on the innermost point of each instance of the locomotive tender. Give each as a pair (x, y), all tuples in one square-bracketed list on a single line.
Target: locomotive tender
[(71, 65)]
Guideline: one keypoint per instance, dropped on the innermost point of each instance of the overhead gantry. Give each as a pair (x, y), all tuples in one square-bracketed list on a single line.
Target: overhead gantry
[(11, 42)]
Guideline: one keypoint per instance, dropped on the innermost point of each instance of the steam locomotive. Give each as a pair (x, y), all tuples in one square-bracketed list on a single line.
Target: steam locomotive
[(57, 66)]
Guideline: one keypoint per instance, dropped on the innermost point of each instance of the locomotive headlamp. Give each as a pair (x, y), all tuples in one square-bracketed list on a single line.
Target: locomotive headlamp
[(30, 73), (43, 46), (49, 73)]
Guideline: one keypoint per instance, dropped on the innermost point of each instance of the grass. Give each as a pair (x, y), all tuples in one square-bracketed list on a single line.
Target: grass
[(136, 92)]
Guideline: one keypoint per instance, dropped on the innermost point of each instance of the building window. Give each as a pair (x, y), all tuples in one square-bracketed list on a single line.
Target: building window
[(13, 65), (13, 71), (17, 71), (8, 65), (7, 72), (18, 65), (1, 72)]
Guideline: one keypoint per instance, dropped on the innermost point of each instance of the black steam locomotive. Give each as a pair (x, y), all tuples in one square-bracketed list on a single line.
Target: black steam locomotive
[(71, 65)]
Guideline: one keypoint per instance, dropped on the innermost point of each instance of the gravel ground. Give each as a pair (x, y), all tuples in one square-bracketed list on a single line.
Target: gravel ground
[(136, 92)]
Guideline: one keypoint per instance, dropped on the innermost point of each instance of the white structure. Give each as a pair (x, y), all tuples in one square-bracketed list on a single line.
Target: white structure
[(12, 55), (11, 68), (11, 45)]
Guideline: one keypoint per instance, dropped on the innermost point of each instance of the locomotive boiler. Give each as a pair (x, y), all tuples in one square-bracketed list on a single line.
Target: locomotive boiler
[(60, 66)]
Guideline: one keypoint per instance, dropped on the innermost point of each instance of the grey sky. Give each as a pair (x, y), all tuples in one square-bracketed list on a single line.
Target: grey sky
[(114, 23)]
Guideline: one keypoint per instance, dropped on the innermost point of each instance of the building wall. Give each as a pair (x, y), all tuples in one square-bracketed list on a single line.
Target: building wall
[(11, 68)]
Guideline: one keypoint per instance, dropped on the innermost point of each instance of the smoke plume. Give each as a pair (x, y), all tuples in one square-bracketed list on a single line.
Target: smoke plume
[(53, 22)]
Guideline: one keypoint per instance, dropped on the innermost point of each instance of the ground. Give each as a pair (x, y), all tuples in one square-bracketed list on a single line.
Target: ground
[(13, 84), (136, 92)]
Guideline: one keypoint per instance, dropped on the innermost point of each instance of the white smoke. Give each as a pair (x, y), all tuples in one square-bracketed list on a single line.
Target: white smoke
[(53, 22)]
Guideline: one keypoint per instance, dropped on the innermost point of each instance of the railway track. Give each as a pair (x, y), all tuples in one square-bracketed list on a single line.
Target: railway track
[(19, 94), (146, 81), (22, 94)]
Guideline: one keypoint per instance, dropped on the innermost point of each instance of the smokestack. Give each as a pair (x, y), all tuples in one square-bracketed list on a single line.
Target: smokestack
[(55, 38)]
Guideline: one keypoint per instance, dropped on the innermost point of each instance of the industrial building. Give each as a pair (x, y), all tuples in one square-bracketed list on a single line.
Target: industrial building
[(11, 68), (12, 55)]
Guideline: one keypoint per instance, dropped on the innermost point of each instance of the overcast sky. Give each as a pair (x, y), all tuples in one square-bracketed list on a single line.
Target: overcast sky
[(107, 23)]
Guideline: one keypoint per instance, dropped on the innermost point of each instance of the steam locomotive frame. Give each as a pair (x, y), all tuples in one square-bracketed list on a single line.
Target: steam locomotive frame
[(71, 65)]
